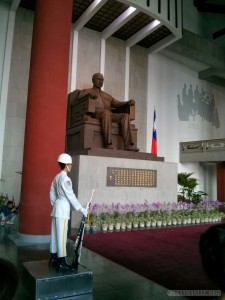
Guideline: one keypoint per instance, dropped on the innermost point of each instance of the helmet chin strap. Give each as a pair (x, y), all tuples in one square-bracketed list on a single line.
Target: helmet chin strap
[(68, 169)]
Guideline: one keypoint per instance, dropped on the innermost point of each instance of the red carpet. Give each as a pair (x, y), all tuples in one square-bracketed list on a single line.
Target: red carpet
[(168, 256)]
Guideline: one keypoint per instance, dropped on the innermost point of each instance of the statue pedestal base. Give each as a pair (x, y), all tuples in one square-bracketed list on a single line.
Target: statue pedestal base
[(90, 172), (43, 282)]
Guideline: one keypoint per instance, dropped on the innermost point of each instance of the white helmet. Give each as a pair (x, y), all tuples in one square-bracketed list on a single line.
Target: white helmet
[(65, 158)]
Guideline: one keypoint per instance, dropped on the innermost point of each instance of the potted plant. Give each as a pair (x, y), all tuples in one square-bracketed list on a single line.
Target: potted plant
[(148, 220), (210, 216), (214, 217), (110, 221), (206, 216), (153, 221), (158, 219), (169, 220), (135, 220), (111, 226), (95, 223), (174, 218), (179, 218), (197, 216), (166, 217), (117, 222), (141, 219), (188, 216), (105, 226), (123, 221), (188, 185), (201, 216), (87, 225), (221, 216), (128, 220), (184, 220)]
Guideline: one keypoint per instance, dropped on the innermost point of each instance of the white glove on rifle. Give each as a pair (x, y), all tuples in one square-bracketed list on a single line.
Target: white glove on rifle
[(84, 211)]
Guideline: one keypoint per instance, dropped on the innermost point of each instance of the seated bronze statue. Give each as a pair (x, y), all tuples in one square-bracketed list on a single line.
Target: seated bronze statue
[(107, 110)]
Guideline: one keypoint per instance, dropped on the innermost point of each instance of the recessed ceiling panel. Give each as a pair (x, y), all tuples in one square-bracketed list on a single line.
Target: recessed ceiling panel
[(79, 7), (133, 26), (106, 15), (155, 37)]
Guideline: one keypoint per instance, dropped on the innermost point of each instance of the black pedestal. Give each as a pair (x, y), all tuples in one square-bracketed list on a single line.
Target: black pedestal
[(44, 282)]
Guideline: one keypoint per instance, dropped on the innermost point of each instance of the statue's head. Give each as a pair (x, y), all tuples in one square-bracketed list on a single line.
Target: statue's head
[(97, 80)]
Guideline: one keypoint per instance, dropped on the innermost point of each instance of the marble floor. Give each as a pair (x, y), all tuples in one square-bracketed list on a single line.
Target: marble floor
[(110, 280)]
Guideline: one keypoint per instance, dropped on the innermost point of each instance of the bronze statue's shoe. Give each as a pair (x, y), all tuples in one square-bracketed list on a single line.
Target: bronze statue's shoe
[(109, 146), (131, 148)]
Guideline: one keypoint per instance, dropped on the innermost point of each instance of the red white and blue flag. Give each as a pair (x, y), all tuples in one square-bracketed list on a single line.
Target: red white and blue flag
[(154, 135)]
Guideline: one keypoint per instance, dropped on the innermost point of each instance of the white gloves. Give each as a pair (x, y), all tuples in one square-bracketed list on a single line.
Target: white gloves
[(84, 211)]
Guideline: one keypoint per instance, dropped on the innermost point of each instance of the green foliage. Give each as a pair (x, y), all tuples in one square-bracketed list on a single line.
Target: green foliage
[(187, 191), (2, 200)]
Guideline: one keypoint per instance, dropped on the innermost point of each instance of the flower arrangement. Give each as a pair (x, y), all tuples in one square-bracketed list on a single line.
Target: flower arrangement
[(119, 216)]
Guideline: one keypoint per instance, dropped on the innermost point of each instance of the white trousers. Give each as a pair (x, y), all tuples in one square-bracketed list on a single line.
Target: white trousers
[(59, 236), (10, 218)]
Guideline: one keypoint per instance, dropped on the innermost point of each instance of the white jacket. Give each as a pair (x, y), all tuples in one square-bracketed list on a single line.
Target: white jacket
[(62, 196)]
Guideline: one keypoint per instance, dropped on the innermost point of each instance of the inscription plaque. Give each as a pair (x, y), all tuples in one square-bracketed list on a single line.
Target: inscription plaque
[(131, 177)]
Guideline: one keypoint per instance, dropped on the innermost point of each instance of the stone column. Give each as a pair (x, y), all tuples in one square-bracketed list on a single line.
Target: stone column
[(46, 112), (221, 182)]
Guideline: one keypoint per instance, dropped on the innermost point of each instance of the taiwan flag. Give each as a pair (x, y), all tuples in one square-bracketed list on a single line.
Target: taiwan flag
[(154, 135)]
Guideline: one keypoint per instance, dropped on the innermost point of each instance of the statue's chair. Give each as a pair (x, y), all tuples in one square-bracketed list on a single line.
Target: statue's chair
[(84, 131)]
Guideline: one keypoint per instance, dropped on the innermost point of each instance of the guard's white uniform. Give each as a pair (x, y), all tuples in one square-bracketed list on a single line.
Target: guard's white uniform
[(61, 196)]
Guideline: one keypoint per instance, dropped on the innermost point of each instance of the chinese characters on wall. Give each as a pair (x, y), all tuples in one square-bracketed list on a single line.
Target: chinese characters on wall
[(131, 177)]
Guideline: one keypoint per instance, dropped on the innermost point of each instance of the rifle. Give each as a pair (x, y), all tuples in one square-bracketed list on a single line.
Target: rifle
[(79, 239)]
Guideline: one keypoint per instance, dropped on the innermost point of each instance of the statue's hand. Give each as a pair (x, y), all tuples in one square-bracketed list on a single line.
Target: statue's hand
[(131, 102)]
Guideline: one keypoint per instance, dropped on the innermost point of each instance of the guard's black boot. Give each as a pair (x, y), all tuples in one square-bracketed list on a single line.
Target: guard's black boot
[(53, 261), (63, 265)]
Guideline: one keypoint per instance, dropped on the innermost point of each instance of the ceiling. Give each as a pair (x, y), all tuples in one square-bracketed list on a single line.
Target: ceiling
[(209, 59), (104, 18), (212, 6), (108, 13), (215, 7)]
